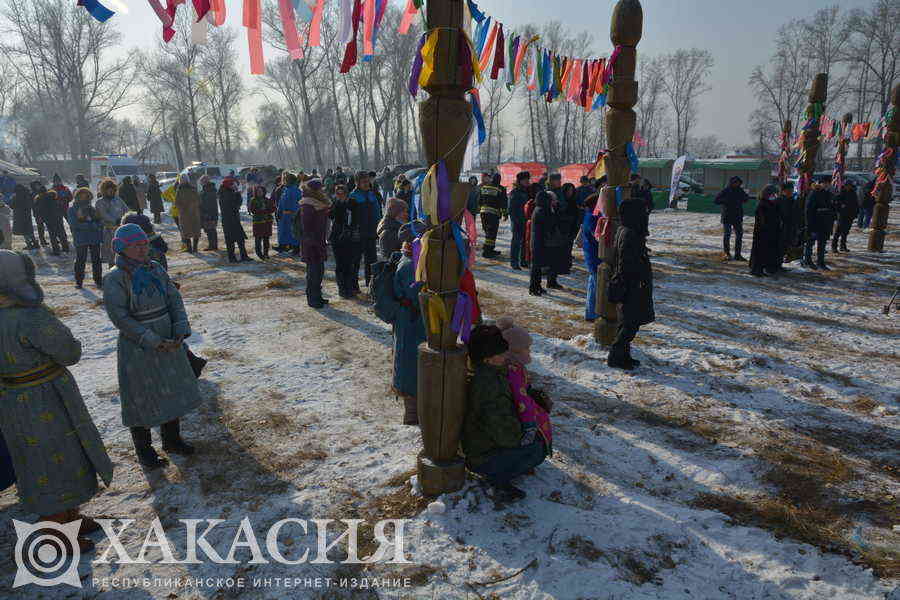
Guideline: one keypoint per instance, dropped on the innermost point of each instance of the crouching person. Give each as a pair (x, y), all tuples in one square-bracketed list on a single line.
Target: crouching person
[(54, 446), (493, 439), (156, 383)]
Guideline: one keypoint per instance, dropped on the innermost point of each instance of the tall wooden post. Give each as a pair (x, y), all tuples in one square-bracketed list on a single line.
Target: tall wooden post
[(885, 171), (809, 149), (784, 161), (625, 32), (840, 157), (445, 123)]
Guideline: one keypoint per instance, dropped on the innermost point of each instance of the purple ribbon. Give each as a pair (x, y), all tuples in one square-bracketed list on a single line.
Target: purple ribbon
[(443, 190), (462, 317), (416, 252), (416, 69)]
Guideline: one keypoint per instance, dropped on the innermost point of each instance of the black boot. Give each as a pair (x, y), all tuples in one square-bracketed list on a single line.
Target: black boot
[(172, 442), (198, 363), (244, 257), (630, 358), (231, 248), (146, 454), (266, 248), (617, 359), (258, 246), (195, 245), (505, 493)]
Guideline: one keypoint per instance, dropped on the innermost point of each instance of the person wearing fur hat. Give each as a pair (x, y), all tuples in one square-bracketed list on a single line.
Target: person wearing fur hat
[(230, 202), (631, 282), (87, 235), (493, 440), (288, 205), (396, 214), (157, 385), (22, 204), (409, 326), (111, 210), (209, 212), (313, 219), (261, 209), (56, 450), (187, 200)]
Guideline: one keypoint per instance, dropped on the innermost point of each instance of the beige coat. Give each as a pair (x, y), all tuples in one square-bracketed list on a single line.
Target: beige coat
[(187, 200)]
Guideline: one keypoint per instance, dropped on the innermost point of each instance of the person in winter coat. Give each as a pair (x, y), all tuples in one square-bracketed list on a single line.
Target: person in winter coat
[(6, 217), (261, 209), (346, 242), (790, 221), (732, 200), (288, 205), (23, 205), (276, 200), (408, 328), (315, 208), (765, 252), (591, 249), (584, 190), (632, 277), (230, 202), (154, 196), (516, 210), (157, 385), (847, 207), (57, 452), (140, 189), (525, 262), (87, 236), (111, 210), (63, 194), (492, 206), (187, 200), (396, 214), (493, 440), (570, 219), (866, 205), (820, 216), (474, 194), (548, 243), (36, 188), (47, 206), (128, 195), (209, 212), (370, 215)]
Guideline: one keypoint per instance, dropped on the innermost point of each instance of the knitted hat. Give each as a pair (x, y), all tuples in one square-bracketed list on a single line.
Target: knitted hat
[(17, 278), (518, 338), (486, 341), (128, 235)]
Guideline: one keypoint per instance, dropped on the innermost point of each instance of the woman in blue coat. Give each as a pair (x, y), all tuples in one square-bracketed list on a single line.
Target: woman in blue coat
[(591, 256), (87, 234), (409, 329), (288, 205)]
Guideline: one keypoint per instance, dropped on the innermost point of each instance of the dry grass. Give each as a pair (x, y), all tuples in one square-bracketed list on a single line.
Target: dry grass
[(63, 312), (218, 354), (583, 550), (279, 283)]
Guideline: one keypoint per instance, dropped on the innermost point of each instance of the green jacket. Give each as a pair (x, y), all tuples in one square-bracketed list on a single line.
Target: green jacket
[(491, 422)]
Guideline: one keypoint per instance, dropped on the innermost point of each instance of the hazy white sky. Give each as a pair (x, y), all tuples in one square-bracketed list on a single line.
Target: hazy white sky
[(738, 32)]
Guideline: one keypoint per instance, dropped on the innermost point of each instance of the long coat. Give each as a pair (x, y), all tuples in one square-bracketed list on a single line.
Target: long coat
[(22, 205), (209, 206), (55, 447), (128, 194), (111, 211), (262, 210), (230, 204), (847, 207), (154, 193), (549, 240), (765, 253), (155, 387), (288, 205), (187, 200), (632, 264), (85, 224), (314, 219), (409, 330)]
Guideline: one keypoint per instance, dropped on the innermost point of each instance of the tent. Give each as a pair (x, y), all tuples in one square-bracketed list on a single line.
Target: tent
[(714, 174), (508, 171), (20, 174), (573, 173)]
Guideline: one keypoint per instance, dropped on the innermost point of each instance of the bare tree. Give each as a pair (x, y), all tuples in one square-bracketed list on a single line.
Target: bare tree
[(651, 109), (683, 82), (224, 88)]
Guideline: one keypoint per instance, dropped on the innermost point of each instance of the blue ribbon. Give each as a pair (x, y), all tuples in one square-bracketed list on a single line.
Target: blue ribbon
[(599, 102), (482, 34), (547, 73), (618, 196), (97, 10), (479, 119), (302, 10), (632, 157), (460, 243), (476, 14), (418, 213)]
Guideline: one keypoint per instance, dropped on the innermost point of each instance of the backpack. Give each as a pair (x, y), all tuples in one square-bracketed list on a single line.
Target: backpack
[(385, 304)]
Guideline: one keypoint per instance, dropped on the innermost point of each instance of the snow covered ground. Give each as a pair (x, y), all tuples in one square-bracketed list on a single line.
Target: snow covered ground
[(754, 455)]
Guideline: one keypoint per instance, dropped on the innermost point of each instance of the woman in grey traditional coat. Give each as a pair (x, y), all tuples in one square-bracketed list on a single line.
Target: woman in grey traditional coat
[(156, 383), (187, 200), (55, 447), (111, 210)]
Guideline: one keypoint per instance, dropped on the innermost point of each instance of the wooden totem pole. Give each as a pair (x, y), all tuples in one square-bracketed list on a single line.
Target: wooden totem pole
[(809, 148), (445, 123), (840, 156), (625, 32), (885, 170)]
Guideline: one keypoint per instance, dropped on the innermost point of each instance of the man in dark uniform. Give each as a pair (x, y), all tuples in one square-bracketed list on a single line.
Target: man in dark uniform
[(492, 206)]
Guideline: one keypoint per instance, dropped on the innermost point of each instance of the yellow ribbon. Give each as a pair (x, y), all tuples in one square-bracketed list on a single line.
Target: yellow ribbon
[(423, 257), (476, 65), (428, 51), (437, 314)]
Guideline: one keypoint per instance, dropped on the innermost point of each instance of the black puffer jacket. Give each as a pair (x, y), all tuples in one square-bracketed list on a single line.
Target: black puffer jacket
[(632, 264), (732, 200)]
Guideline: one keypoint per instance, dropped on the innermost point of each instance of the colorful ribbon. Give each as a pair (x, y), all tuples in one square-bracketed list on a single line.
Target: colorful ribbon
[(462, 317), (408, 15), (369, 28), (218, 11), (443, 192), (96, 10), (416, 70), (472, 235), (633, 161), (315, 25), (477, 115), (166, 17), (289, 29), (253, 23)]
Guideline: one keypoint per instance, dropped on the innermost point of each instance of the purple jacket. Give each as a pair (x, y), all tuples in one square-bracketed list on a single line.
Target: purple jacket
[(314, 222)]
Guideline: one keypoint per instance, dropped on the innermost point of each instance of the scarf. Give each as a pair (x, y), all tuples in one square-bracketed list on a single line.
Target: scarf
[(142, 275)]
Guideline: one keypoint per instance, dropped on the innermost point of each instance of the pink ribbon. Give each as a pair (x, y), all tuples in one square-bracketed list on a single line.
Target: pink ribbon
[(369, 28), (253, 22), (315, 26), (408, 16), (218, 10), (202, 7), (607, 74), (472, 234), (289, 27)]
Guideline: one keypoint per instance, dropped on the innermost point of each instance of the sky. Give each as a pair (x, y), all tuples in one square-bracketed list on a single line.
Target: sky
[(739, 33)]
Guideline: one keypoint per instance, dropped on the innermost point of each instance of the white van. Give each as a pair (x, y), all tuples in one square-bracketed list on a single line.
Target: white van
[(216, 173), (114, 166)]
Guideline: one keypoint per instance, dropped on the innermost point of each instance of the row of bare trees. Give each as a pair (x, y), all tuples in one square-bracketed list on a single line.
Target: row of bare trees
[(858, 48)]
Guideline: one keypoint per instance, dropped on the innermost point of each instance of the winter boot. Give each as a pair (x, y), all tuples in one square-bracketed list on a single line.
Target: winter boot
[(844, 246), (266, 248), (553, 284), (823, 266), (617, 359), (172, 442), (411, 411), (195, 245), (630, 358), (231, 257), (244, 257), (146, 454), (504, 493)]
